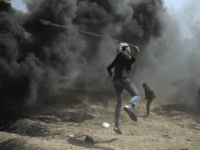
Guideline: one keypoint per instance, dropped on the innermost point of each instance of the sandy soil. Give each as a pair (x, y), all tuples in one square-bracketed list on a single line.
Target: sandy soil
[(171, 126)]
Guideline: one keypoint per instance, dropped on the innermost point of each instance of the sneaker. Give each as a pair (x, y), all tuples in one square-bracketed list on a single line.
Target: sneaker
[(130, 112), (117, 130)]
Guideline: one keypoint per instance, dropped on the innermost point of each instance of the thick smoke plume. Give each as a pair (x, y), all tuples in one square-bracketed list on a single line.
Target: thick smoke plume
[(134, 22), (170, 63), (38, 54)]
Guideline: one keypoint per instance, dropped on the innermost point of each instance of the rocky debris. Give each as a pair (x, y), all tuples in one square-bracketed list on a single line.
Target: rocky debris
[(166, 135), (190, 140), (89, 139)]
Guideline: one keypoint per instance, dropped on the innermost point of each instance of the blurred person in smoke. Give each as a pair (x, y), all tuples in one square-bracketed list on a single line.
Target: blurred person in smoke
[(198, 100), (121, 81), (198, 91), (149, 96)]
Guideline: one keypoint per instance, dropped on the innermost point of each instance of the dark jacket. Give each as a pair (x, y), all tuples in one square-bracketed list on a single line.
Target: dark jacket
[(148, 93), (198, 91), (122, 64)]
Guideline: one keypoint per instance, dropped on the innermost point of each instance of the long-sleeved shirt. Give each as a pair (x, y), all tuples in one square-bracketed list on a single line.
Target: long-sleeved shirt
[(122, 64), (148, 92)]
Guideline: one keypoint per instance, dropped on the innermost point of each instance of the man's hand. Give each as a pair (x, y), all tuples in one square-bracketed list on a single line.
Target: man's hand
[(44, 22), (111, 80), (136, 49), (113, 75)]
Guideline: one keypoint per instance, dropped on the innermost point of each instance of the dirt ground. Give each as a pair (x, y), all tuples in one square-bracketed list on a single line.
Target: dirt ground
[(58, 126)]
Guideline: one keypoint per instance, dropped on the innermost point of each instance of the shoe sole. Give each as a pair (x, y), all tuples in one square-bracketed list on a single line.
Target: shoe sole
[(131, 114)]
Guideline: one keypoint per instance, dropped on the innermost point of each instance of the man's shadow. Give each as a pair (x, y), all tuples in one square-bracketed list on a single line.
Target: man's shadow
[(82, 143)]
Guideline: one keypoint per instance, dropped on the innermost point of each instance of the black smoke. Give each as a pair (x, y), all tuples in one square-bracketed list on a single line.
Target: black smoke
[(170, 62), (38, 54), (134, 22)]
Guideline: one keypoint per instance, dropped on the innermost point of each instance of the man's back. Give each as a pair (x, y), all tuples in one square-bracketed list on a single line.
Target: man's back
[(149, 93)]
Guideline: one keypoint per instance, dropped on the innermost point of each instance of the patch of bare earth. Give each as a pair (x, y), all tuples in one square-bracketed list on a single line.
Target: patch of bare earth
[(169, 127)]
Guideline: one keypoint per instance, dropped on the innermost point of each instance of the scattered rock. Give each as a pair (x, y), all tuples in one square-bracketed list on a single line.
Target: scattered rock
[(190, 140), (89, 139), (166, 135)]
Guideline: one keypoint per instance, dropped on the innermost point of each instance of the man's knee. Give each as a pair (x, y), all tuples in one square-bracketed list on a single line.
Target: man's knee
[(138, 97)]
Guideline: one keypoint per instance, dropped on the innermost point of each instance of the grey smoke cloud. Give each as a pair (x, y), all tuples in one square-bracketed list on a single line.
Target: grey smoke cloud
[(171, 67), (40, 53), (134, 22)]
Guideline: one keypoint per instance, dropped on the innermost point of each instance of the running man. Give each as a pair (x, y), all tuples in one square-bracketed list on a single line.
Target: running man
[(121, 81)]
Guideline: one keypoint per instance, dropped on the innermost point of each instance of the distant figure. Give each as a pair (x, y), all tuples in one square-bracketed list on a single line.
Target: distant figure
[(122, 64), (198, 100), (198, 91), (149, 96)]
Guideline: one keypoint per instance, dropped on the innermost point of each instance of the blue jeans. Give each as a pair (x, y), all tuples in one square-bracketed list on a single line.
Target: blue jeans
[(121, 84)]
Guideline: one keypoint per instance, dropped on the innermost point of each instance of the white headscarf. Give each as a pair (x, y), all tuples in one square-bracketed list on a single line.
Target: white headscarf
[(122, 45)]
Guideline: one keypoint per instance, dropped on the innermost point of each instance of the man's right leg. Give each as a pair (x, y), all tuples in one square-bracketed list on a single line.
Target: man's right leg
[(130, 87), (148, 105)]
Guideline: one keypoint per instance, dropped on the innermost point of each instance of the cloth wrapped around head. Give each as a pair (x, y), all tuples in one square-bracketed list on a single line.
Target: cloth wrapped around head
[(121, 45)]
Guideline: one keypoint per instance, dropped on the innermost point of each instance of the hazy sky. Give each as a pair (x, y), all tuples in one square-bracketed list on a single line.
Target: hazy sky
[(185, 12)]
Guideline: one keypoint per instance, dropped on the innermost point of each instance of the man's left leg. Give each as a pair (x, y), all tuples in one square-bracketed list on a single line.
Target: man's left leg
[(119, 96)]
